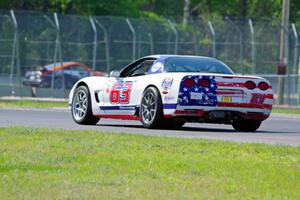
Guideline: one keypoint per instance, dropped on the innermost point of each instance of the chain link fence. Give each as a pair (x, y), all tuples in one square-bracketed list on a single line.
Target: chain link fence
[(31, 40)]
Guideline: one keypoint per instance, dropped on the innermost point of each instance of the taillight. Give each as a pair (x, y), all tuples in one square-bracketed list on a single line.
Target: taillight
[(204, 83), (189, 82), (263, 85), (250, 85), (44, 73)]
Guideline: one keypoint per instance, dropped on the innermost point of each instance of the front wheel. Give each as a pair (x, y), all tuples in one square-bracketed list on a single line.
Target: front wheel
[(151, 110), (82, 107), (248, 125)]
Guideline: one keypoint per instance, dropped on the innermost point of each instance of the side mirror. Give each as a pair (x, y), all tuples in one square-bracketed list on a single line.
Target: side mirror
[(114, 73)]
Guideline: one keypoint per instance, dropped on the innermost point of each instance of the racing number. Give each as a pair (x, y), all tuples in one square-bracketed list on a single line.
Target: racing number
[(120, 93), (115, 93)]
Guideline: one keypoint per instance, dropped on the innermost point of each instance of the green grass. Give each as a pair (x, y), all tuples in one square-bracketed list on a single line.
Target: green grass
[(60, 164), (286, 110), (34, 104)]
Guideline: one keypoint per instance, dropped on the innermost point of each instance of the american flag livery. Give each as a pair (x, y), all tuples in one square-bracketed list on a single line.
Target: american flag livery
[(224, 92), (197, 95)]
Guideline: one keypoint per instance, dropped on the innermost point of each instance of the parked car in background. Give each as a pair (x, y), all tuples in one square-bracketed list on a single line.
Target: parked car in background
[(70, 72)]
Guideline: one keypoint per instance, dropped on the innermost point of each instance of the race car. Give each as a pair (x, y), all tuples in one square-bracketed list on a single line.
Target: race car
[(166, 91), (59, 72)]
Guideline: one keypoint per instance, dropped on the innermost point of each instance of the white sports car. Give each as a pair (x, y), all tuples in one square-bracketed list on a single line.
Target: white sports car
[(169, 90)]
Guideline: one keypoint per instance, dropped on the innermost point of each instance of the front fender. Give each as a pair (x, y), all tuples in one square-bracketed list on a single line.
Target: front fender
[(93, 83)]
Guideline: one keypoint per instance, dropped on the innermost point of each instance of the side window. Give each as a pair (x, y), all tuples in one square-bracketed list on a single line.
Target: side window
[(142, 68), (76, 68)]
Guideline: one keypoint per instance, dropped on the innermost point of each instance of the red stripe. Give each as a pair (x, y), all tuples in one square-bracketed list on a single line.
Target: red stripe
[(229, 92), (267, 96), (237, 84), (255, 115), (245, 105), (190, 112), (125, 117), (244, 77), (234, 84)]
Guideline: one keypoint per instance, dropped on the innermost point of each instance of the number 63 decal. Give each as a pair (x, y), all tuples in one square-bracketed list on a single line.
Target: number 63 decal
[(120, 92)]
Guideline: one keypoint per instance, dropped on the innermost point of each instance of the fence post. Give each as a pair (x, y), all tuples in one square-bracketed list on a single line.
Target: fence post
[(17, 51), (94, 43), (176, 36), (151, 42), (54, 58), (106, 45), (60, 53), (133, 38), (213, 34), (295, 62), (13, 64), (253, 47)]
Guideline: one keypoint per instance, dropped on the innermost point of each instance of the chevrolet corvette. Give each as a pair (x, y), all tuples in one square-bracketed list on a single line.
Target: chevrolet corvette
[(169, 90)]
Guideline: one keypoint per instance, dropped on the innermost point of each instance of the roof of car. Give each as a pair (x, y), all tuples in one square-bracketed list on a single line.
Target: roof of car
[(174, 55), (64, 64)]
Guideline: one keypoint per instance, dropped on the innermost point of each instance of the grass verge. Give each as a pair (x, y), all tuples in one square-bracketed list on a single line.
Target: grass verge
[(33, 104), (60, 164), (286, 110)]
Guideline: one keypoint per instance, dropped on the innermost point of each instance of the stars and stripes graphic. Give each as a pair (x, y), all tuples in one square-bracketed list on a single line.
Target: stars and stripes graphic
[(197, 95)]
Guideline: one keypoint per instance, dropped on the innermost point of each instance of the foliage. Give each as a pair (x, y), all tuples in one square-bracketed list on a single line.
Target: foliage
[(32, 104), (136, 8)]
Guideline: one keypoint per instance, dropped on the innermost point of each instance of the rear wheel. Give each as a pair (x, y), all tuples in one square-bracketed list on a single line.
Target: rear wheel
[(58, 83), (247, 125), (151, 110), (82, 107)]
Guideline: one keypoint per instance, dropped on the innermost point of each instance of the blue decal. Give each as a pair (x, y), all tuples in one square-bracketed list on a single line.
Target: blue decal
[(157, 67), (169, 106), (197, 95), (134, 107), (167, 83)]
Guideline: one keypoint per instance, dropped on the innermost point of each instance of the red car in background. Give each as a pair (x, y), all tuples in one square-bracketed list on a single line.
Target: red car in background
[(68, 72)]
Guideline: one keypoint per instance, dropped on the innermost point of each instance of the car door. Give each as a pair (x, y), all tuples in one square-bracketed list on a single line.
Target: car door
[(121, 93)]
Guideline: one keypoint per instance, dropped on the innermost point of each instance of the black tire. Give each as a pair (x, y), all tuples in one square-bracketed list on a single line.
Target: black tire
[(246, 125), (58, 83), (86, 118), (151, 119)]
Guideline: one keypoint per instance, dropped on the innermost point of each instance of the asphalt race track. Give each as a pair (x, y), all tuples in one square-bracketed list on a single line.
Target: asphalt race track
[(278, 129)]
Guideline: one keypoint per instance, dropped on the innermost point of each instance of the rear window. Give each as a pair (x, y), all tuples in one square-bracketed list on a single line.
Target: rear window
[(196, 64)]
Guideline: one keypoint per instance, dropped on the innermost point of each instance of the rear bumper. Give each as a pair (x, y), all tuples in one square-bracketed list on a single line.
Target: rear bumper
[(218, 114), (32, 83)]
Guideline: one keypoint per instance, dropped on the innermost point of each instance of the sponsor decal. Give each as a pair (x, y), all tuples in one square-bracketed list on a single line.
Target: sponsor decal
[(156, 68), (167, 83), (166, 98), (257, 99)]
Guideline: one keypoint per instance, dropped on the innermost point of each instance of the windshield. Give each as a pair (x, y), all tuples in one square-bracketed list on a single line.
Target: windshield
[(196, 64)]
